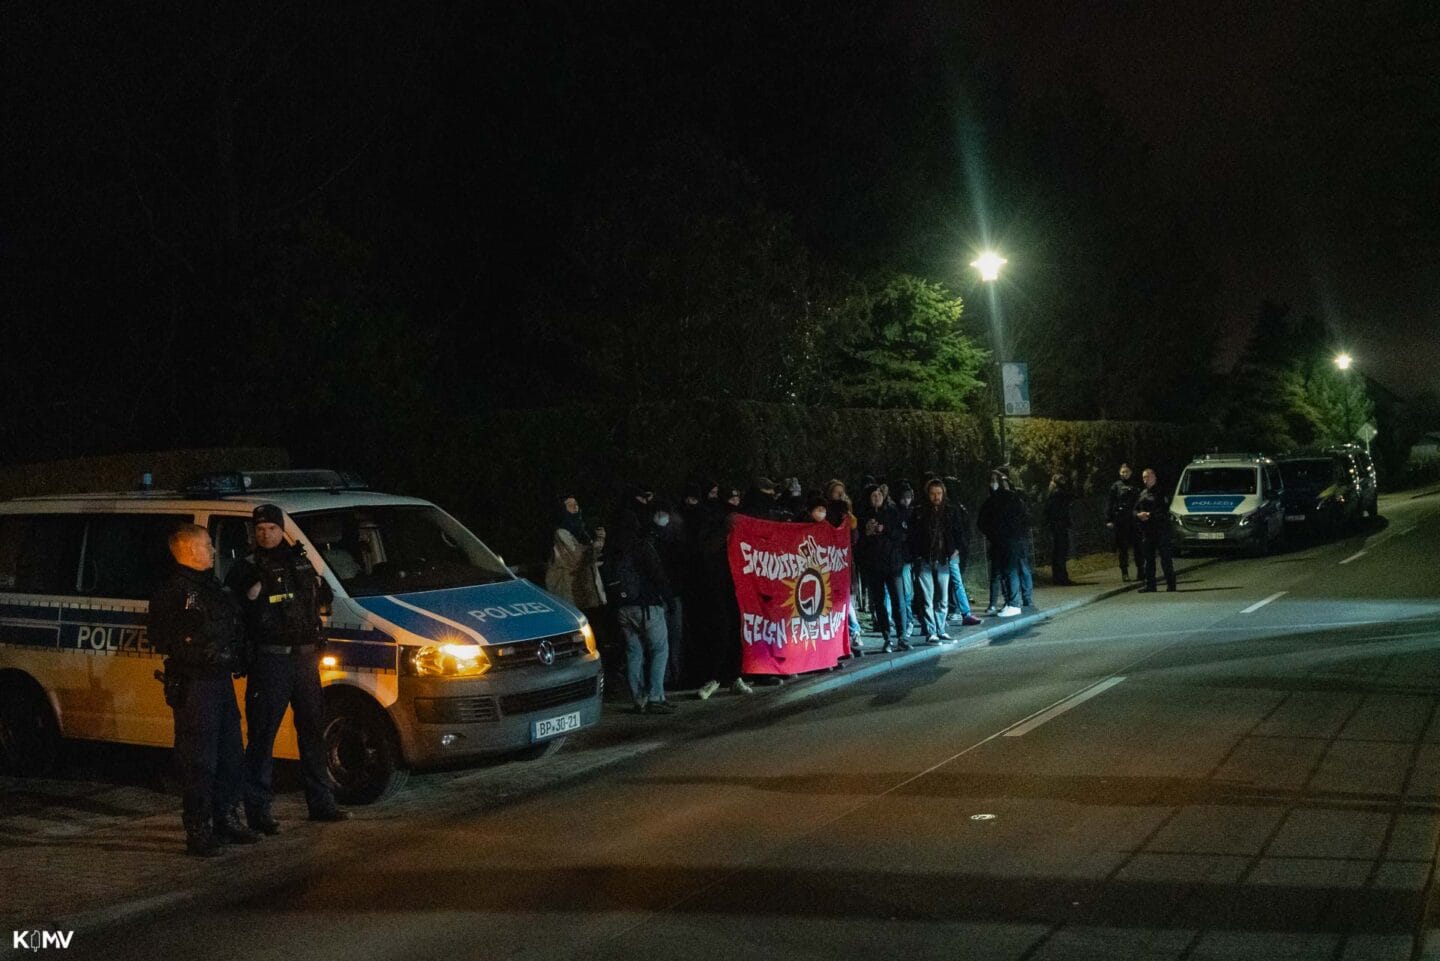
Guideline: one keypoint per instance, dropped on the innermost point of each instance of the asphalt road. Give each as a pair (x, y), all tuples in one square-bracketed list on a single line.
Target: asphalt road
[(1188, 775)]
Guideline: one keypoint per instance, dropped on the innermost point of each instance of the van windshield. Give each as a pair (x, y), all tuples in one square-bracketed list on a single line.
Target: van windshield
[(399, 549), (1218, 480)]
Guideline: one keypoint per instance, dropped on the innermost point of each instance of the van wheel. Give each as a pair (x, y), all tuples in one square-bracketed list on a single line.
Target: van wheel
[(536, 751), (29, 733), (362, 751)]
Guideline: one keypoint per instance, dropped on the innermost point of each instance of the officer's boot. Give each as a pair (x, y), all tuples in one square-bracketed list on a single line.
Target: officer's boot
[(233, 829), (260, 819), (200, 839)]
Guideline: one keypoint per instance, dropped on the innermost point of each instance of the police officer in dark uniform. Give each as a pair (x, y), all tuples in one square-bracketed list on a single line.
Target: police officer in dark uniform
[(283, 598), (1152, 516), (196, 624), (1120, 518)]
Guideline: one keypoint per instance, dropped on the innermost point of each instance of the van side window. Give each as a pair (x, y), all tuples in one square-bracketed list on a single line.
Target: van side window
[(1272, 482), (233, 539), (40, 553), (126, 555)]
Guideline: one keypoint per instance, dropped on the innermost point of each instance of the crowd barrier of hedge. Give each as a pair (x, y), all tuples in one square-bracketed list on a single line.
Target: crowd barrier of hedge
[(501, 471)]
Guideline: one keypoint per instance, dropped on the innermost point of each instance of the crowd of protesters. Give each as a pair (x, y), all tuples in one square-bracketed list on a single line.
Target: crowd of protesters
[(659, 589)]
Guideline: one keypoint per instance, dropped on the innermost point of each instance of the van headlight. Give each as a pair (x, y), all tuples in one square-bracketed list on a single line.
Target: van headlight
[(1245, 519), (587, 634), (446, 660)]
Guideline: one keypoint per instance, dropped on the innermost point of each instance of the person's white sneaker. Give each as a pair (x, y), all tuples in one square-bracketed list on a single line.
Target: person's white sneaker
[(740, 687), (1011, 611), (708, 688)]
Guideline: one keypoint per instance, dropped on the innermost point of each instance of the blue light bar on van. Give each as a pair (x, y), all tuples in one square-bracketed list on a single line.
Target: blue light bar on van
[(219, 482)]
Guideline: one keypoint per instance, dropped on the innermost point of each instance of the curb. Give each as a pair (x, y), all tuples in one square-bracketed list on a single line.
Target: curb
[(871, 666)]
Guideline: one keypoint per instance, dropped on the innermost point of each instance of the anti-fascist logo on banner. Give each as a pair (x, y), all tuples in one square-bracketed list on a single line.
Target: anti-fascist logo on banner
[(810, 589)]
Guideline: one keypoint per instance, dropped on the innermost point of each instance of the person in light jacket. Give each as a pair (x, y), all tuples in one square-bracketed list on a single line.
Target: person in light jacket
[(573, 572)]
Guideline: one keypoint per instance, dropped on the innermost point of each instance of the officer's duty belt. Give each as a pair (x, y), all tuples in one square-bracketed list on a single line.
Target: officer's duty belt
[(285, 648)]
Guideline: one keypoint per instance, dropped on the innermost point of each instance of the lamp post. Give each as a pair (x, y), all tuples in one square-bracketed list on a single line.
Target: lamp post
[(1343, 361), (989, 264)]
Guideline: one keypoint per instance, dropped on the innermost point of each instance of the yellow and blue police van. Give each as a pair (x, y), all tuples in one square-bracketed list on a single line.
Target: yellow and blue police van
[(434, 650), (1233, 501)]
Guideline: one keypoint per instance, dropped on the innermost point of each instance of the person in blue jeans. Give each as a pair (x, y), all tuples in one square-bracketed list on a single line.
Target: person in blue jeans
[(932, 538), (637, 585), (959, 597)]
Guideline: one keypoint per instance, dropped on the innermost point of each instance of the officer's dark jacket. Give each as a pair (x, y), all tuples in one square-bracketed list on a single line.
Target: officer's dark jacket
[(1157, 503), (1120, 502), (197, 625), (287, 611)]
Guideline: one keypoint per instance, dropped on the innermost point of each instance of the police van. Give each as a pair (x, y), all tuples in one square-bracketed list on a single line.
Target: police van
[(434, 651), (1231, 501)]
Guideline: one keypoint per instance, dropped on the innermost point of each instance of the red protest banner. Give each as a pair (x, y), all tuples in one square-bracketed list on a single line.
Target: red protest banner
[(792, 582)]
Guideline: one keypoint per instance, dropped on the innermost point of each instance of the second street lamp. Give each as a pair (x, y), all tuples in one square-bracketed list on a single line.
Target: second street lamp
[(989, 264)]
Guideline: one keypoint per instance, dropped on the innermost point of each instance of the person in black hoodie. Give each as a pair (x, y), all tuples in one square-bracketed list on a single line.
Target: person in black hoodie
[(637, 585), (880, 556), (1057, 521), (1002, 521), (1120, 518), (932, 543)]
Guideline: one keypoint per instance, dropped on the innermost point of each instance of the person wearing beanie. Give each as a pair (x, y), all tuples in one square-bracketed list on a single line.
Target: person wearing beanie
[(283, 598)]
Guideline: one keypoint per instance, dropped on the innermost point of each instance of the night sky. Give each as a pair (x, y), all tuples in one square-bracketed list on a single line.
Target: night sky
[(456, 174), (1217, 90)]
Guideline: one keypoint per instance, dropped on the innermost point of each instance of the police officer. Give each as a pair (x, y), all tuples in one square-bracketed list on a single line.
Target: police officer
[(1152, 516), (1120, 518), (196, 624), (283, 596)]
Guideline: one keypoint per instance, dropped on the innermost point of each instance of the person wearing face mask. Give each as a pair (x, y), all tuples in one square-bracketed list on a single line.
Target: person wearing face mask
[(636, 583), (573, 571), (840, 514), (880, 556), (816, 508), (672, 544), (1120, 518), (997, 521)]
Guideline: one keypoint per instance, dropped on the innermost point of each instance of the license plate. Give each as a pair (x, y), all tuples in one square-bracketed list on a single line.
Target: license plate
[(1212, 536), (552, 726), (1294, 517)]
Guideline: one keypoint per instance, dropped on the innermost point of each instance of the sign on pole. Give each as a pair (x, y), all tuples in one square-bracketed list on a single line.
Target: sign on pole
[(1016, 381), (1366, 432)]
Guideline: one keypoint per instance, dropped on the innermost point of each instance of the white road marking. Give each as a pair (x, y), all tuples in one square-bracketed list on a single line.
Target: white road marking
[(1055, 710), (1259, 604), (1408, 530), (1354, 557)]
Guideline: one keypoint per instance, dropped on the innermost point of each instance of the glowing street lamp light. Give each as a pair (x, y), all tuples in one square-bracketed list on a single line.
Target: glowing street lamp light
[(989, 264), (1343, 361)]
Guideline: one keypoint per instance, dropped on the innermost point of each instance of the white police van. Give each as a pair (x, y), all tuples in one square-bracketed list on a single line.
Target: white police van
[(434, 650), (1229, 501)]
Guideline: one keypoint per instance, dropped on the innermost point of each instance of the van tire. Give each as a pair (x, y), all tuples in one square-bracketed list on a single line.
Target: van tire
[(361, 750), (536, 751), (29, 732)]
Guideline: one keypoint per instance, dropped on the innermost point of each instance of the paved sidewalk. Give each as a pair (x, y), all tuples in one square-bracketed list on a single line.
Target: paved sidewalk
[(84, 852)]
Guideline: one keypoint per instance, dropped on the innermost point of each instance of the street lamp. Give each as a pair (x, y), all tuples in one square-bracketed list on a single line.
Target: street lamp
[(989, 264), (1343, 361)]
